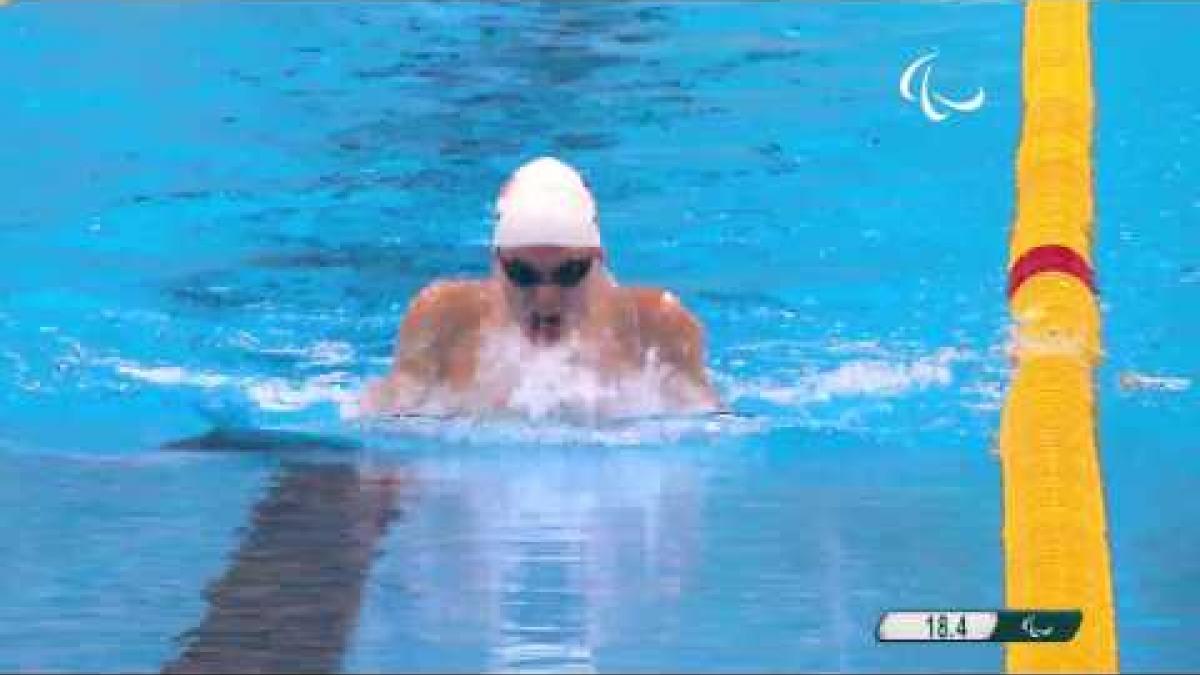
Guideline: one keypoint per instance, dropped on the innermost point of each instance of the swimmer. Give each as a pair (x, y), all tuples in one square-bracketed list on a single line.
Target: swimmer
[(550, 286)]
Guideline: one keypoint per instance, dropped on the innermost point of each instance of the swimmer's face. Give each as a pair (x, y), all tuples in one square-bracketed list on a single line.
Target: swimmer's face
[(546, 287)]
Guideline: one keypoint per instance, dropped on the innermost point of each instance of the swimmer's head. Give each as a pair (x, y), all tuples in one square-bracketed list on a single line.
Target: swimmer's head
[(546, 203), (547, 248)]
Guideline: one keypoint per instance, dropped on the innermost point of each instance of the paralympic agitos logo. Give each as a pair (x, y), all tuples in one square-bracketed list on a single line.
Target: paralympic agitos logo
[(933, 104)]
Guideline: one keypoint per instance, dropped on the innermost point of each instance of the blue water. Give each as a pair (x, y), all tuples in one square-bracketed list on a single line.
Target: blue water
[(214, 215), (1148, 253)]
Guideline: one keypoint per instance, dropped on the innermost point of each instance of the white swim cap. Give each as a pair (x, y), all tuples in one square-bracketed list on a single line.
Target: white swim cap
[(546, 203)]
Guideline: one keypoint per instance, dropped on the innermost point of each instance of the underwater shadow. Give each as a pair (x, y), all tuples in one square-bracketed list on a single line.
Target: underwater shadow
[(290, 597)]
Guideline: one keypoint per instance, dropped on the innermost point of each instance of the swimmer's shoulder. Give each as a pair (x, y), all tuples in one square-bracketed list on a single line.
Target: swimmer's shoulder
[(661, 311), (451, 293), (452, 303), (671, 334)]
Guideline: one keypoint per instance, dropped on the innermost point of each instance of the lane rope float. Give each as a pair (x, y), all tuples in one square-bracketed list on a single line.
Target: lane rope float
[(1055, 533)]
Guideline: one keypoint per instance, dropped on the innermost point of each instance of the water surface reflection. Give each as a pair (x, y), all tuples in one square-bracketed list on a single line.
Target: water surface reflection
[(533, 562)]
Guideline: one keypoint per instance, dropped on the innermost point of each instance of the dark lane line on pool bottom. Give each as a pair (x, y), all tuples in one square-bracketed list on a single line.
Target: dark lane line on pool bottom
[(290, 599)]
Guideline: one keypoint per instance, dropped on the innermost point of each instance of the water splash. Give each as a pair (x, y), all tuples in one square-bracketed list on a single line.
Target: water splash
[(556, 399), (555, 383), (396, 432), (874, 377), (1134, 381), (269, 394)]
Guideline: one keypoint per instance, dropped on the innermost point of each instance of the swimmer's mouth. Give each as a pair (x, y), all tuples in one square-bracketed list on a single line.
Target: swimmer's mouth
[(545, 326)]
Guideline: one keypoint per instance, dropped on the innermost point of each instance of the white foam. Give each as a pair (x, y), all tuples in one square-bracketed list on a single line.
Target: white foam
[(1134, 381), (320, 353), (858, 378), (554, 397), (548, 383), (883, 378), (490, 431), (280, 395), (267, 393), (169, 375)]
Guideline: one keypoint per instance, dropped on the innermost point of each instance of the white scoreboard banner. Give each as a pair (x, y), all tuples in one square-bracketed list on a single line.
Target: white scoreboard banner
[(937, 625)]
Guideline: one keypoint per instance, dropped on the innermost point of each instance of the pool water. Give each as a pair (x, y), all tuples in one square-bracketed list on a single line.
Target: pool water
[(214, 215)]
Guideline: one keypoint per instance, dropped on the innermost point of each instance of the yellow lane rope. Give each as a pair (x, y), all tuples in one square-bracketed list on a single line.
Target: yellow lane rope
[(1055, 535)]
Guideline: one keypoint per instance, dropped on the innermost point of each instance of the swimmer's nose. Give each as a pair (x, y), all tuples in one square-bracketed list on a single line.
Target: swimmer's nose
[(547, 295)]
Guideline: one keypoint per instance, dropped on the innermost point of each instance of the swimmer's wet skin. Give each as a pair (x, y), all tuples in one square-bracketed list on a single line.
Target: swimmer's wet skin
[(549, 285)]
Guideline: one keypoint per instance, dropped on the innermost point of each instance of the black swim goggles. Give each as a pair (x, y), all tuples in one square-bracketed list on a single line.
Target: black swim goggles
[(566, 275)]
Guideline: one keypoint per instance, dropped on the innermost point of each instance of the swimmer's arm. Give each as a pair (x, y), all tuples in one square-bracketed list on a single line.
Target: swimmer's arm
[(416, 358), (677, 339)]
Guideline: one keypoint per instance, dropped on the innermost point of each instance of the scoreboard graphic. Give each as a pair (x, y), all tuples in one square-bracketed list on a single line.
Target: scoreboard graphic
[(1033, 625)]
